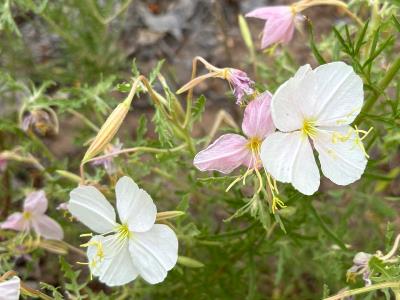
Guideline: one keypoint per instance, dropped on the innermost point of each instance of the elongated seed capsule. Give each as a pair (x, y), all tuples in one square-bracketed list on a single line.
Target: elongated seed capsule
[(168, 215), (110, 126)]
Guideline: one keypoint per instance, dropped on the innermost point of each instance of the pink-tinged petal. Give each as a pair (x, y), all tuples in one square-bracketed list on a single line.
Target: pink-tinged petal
[(10, 289), (288, 35), (62, 206), (15, 221), (279, 30), (257, 120), (47, 227), (265, 13), (36, 202), (224, 155)]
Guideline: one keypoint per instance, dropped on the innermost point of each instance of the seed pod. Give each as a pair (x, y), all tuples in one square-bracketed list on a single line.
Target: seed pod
[(165, 215), (189, 262), (107, 131), (111, 125)]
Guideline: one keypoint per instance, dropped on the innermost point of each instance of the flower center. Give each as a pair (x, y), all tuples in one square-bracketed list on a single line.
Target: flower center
[(254, 144), (309, 129), (27, 215), (123, 232)]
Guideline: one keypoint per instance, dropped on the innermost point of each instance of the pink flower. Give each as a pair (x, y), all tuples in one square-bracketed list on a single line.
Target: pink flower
[(9, 289), (108, 162), (232, 150), (33, 218), (279, 26), (241, 84)]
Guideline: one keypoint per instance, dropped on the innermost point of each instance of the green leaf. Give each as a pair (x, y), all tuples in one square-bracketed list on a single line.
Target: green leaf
[(396, 22), (198, 108), (360, 41), (156, 71), (314, 48)]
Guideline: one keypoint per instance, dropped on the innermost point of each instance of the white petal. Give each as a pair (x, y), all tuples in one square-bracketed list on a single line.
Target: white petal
[(154, 252), (90, 207), (294, 100), (288, 157), (9, 289), (135, 207), (339, 94), (342, 160), (116, 267)]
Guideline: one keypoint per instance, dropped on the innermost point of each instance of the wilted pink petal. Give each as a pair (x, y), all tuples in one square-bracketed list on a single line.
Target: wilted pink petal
[(47, 227), (226, 154), (108, 162), (257, 120), (36, 202), (279, 26), (15, 221), (241, 84), (10, 289)]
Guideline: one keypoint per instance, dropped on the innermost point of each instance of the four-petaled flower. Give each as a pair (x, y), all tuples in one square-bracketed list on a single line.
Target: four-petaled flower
[(135, 246), (280, 23), (232, 150), (10, 289), (316, 106), (33, 218)]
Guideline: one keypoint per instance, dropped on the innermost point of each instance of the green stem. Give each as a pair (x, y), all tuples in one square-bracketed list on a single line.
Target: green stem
[(325, 228), (139, 149), (382, 85), (385, 285), (84, 119)]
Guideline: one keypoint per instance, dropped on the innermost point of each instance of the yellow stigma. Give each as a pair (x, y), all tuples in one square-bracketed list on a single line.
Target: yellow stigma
[(27, 215), (254, 144), (123, 232), (308, 128)]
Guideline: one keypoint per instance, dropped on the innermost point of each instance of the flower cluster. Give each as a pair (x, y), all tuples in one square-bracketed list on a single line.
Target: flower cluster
[(315, 107)]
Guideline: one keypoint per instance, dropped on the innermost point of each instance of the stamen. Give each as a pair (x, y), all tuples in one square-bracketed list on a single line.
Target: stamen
[(277, 203), (260, 181), (309, 129), (254, 145), (123, 232), (358, 139), (86, 234)]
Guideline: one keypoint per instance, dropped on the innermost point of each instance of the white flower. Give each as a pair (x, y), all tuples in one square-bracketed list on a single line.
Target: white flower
[(9, 289), (316, 106), (135, 246)]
